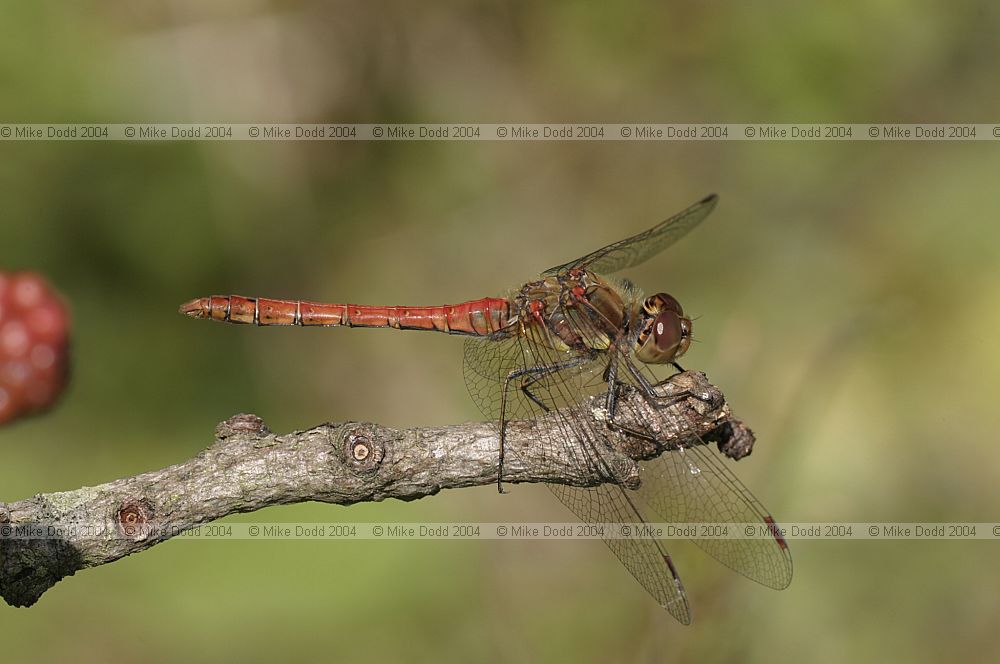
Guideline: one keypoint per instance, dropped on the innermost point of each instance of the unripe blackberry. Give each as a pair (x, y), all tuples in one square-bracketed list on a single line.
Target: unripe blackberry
[(34, 345)]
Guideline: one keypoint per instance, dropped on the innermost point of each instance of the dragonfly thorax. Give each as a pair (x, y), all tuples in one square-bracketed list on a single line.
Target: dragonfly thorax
[(574, 311), (665, 332)]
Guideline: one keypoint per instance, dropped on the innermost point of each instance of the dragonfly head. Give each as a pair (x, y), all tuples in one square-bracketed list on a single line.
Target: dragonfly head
[(665, 331)]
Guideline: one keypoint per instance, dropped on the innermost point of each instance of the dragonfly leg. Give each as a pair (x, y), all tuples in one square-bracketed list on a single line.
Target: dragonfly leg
[(531, 395), (647, 388), (611, 404), (535, 374), (629, 431)]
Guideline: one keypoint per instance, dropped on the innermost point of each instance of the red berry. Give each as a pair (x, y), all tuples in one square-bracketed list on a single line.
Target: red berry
[(34, 345)]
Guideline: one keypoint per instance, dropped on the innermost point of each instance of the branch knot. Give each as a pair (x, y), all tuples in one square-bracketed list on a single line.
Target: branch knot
[(245, 423), (134, 519), (362, 450)]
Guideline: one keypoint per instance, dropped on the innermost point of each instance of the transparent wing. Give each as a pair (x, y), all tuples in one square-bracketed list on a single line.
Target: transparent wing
[(684, 485), (646, 559), (694, 485), (555, 382), (639, 248)]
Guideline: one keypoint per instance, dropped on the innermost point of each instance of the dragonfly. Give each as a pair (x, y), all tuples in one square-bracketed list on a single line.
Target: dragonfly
[(544, 349)]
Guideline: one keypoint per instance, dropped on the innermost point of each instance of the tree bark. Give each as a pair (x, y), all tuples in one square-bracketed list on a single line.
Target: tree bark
[(248, 467)]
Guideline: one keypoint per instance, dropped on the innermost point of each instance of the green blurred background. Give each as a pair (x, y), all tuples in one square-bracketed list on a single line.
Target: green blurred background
[(847, 295)]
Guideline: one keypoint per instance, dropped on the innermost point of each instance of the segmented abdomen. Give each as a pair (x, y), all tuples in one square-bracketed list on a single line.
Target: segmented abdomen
[(476, 317)]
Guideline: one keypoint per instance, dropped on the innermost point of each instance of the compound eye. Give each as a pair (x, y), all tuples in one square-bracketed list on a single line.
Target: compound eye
[(667, 332), (662, 302)]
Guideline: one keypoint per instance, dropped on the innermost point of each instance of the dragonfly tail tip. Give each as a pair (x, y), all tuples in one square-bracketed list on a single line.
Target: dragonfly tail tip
[(197, 308)]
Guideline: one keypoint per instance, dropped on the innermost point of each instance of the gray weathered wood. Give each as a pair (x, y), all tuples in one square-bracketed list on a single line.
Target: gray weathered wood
[(248, 467)]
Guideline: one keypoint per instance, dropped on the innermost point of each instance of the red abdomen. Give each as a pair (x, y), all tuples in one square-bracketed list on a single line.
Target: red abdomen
[(476, 317)]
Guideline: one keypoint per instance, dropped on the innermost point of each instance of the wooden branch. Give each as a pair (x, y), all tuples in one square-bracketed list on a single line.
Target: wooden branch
[(248, 467)]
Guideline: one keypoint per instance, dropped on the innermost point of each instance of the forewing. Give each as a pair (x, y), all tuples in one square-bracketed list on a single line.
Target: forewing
[(566, 382), (694, 485), (639, 248)]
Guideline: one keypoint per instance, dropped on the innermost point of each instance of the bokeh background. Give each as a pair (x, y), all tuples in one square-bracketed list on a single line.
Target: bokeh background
[(847, 295)]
